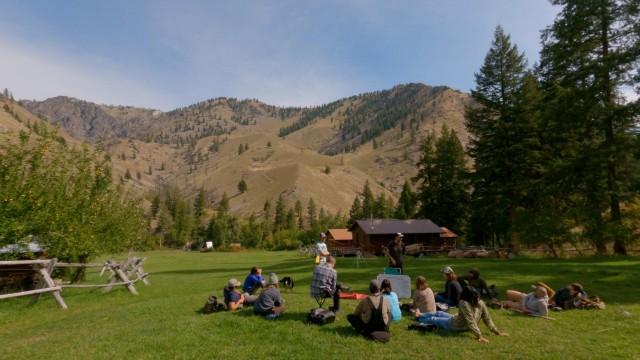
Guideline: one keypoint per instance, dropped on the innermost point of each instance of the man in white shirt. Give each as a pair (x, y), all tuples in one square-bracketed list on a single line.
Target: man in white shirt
[(321, 249)]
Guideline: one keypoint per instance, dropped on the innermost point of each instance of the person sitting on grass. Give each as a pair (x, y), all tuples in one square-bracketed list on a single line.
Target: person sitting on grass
[(470, 310), (252, 283), (324, 283), (535, 303), (423, 298), (270, 304), (371, 316), (474, 279), (392, 298), (452, 288), (232, 296)]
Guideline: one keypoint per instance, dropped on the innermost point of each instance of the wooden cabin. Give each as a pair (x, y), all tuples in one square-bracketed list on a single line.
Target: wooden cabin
[(371, 235), (340, 242)]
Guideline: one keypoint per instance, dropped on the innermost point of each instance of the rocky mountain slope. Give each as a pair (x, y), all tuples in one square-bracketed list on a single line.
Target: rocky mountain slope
[(324, 152)]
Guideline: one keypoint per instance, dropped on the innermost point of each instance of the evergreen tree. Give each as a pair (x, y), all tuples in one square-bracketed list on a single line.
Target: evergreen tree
[(279, 222), (299, 214), (242, 186), (312, 213), (443, 181), (490, 124), (590, 51), (223, 206), (406, 207), (356, 210), (291, 220), (266, 213), (382, 207), (368, 201), (155, 206), (200, 203), (322, 218)]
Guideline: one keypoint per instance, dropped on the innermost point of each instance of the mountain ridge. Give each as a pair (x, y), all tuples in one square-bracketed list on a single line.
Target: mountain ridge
[(213, 144)]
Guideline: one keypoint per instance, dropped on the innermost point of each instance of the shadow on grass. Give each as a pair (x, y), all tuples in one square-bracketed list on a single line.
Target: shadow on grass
[(343, 331), (290, 266)]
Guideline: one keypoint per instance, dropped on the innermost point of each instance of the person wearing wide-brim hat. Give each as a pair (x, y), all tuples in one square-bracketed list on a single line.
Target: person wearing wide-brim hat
[(270, 304), (233, 298)]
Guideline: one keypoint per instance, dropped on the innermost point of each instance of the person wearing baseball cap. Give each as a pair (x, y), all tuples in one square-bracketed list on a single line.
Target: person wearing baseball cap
[(270, 304), (233, 298), (452, 288), (321, 249), (395, 251)]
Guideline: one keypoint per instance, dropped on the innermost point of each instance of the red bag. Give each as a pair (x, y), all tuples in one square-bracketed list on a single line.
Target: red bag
[(352, 296)]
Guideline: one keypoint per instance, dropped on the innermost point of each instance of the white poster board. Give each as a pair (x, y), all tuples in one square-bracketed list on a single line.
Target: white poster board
[(209, 244), (401, 284)]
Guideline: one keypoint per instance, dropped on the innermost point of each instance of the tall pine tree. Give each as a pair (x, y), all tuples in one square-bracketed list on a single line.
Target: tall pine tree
[(406, 206), (443, 181), (490, 122), (588, 54)]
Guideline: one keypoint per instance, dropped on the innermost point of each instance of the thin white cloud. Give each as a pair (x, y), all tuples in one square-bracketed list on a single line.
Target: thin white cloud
[(42, 72)]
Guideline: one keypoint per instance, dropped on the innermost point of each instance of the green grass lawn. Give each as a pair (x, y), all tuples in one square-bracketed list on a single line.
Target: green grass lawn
[(162, 321)]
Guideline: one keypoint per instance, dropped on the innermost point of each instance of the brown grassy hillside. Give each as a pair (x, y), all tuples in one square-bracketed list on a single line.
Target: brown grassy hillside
[(371, 137)]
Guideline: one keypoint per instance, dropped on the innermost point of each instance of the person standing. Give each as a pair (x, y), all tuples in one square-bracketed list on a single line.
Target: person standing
[(324, 283), (321, 249), (395, 252)]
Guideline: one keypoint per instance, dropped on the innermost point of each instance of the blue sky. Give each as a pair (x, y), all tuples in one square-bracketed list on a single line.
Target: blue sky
[(166, 54)]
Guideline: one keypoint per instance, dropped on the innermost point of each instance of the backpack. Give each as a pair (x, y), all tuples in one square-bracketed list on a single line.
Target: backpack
[(213, 305), (321, 316), (592, 303), (492, 292), (378, 330), (377, 320)]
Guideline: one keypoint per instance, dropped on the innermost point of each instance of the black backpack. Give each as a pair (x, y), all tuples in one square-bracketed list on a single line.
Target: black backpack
[(378, 330), (321, 316), (213, 305)]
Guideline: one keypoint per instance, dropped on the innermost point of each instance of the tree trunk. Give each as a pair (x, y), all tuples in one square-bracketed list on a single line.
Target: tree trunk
[(607, 89)]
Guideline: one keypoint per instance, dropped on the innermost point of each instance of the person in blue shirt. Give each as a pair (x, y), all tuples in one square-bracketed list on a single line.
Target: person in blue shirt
[(232, 297), (392, 297), (253, 282)]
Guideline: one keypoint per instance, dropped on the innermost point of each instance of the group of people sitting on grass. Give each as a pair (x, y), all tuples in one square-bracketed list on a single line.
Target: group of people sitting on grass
[(268, 302), (374, 314)]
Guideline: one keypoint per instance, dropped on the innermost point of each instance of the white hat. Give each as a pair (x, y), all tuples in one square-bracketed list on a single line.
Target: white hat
[(399, 234), (446, 270), (323, 235)]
